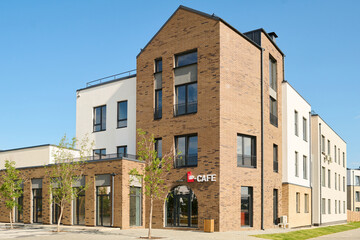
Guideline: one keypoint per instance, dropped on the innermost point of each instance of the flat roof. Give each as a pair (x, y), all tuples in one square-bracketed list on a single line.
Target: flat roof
[(107, 82), (30, 147)]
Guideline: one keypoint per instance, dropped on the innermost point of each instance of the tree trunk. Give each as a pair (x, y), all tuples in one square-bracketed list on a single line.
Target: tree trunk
[(11, 225), (61, 213), (150, 220)]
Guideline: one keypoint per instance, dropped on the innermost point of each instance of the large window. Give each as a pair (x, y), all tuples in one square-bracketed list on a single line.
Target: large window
[(273, 73), (275, 158), (19, 209), (246, 206), (275, 206), (185, 59), (323, 207), (37, 205), (305, 129), (186, 99), (298, 202), (79, 207), (187, 151), (323, 176), (158, 89), (103, 206), (55, 212), (305, 168), (158, 65), (273, 112), (158, 147), (99, 118), (306, 199), (296, 164), (296, 122), (357, 196), (122, 114), (246, 151), (122, 151), (357, 180), (135, 206), (99, 154)]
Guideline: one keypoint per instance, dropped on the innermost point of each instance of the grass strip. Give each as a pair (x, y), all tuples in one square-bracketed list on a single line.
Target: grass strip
[(310, 233)]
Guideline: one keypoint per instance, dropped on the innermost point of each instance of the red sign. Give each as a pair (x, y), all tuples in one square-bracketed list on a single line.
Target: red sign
[(190, 177)]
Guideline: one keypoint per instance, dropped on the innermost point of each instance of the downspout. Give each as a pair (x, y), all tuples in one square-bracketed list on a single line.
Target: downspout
[(310, 171), (112, 198), (262, 140), (320, 138)]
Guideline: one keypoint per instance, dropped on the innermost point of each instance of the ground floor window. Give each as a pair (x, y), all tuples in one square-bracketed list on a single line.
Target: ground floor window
[(19, 210), (357, 209), (79, 208), (181, 208), (37, 205), (55, 212), (103, 206), (135, 206), (246, 206)]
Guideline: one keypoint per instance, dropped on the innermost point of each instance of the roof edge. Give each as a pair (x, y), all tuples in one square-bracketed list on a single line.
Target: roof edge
[(267, 35), (317, 115)]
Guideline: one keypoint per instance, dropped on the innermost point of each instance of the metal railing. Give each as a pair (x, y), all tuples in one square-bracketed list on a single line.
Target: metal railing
[(108, 157), (157, 113), (246, 161), (112, 77), (185, 108), (189, 160), (273, 120)]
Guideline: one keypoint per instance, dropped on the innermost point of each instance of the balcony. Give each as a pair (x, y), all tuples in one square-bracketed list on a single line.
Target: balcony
[(185, 108), (112, 156), (246, 161), (158, 113), (273, 120), (189, 160)]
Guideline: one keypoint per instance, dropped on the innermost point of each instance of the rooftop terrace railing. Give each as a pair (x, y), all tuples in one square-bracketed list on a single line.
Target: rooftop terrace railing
[(110, 78), (108, 157)]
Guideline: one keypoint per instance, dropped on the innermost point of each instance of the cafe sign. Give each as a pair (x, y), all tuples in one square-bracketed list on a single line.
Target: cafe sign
[(201, 178)]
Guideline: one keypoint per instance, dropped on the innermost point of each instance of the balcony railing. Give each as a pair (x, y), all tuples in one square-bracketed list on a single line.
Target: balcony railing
[(189, 160), (108, 157), (158, 113), (185, 108), (110, 78), (276, 166), (273, 120), (246, 161)]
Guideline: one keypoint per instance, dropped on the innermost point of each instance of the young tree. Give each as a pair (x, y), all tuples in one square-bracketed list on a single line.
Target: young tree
[(10, 189), (155, 170), (66, 171)]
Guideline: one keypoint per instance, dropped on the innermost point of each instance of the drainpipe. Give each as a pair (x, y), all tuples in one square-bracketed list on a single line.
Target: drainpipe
[(262, 140), (310, 170), (320, 139), (112, 198)]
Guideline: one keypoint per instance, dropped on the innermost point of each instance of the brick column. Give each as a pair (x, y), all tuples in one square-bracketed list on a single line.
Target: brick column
[(27, 202), (67, 215), (90, 201), (46, 204), (117, 200)]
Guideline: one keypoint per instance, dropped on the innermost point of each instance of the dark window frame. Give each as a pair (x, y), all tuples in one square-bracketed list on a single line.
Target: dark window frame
[(274, 118), (120, 120), (253, 151), (250, 197), (135, 194), (100, 154), (273, 66), (156, 146), (101, 118), (187, 137), (158, 109), (121, 147), (182, 54), (275, 158), (156, 70), (187, 103)]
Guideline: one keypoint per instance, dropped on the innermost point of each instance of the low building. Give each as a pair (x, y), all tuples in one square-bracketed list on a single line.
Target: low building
[(353, 189)]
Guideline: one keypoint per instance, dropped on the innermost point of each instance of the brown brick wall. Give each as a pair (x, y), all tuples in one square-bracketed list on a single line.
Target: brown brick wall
[(353, 216)]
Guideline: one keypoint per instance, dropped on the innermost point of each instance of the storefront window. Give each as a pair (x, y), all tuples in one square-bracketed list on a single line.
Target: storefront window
[(79, 208), (55, 212), (135, 206), (103, 206), (37, 205), (182, 208), (19, 210), (246, 206)]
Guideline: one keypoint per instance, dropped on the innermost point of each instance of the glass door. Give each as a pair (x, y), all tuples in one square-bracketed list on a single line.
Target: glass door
[(182, 210), (37, 205), (79, 209), (103, 206), (19, 210)]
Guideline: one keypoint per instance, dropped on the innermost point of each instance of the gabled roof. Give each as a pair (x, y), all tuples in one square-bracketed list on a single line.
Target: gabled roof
[(216, 19)]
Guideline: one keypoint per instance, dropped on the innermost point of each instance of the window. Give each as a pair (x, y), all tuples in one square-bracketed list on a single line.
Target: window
[(296, 117), (99, 153), (296, 164), (158, 89), (335, 206), (298, 202), (357, 180), (323, 177), (339, 155), (158, 147), (344, 184), (273, 112), (329, 206), (305, 167), (329, 152), (323, 207), (273, 73), (122, 151), (186, 99), (275, 158), (79, 205), (305, 129), (246, 151), (103, 200), (306, 200), (329, 178), (37, 203), (246, 206), (275, 206), (339, 182), (335, 153), (323, 143), (357, 196), (186, 149), (185, 59), (135, 206), (339, 206), (335, 181), (122, 114), (343, 159), (344, 207), (357, 209), (99, 118), (158, 65)]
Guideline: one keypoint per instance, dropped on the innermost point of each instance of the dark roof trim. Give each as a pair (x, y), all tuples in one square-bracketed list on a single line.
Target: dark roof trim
[(317, 115), (297, 92), (202, 14), (100, 84), (15, 149), (270, 39)]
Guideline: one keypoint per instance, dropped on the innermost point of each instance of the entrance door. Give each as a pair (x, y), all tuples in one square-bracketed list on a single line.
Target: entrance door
[(182, 210), (79, 209), (19, 210), (55, 213), (37, 205)]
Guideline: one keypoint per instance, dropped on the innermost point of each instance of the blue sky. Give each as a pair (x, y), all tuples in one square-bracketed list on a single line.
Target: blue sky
[(48, 49)]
